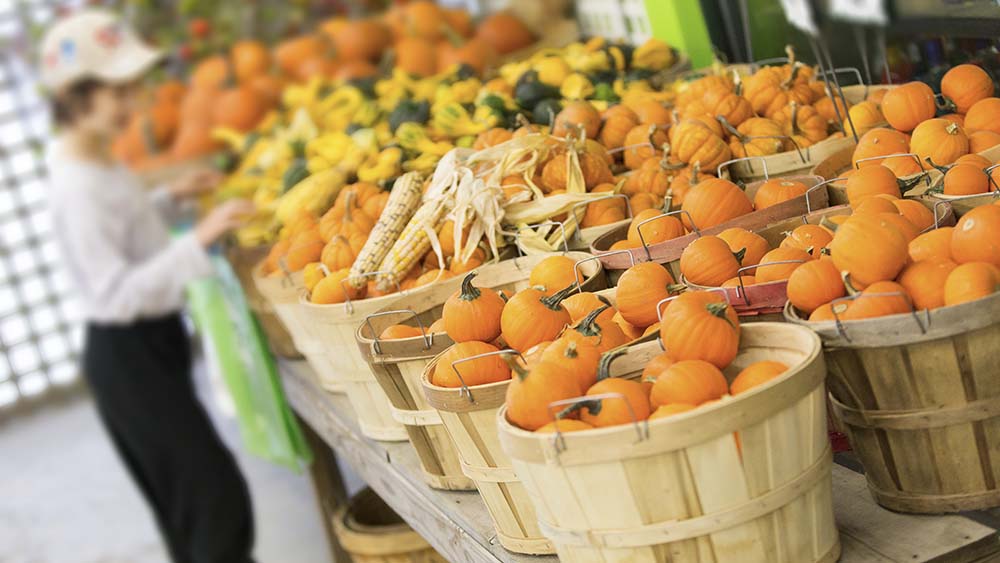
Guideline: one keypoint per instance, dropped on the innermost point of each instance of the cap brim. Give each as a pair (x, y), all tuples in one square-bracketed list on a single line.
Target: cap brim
[(130, 64)]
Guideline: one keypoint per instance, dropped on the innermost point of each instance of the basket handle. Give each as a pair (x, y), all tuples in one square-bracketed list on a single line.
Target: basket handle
[(763, 162), (923, 171), (576, 269), (642, 239), (376, 345), (559, 442), (466, 391), (659, 304), (847, 70), (913, 310), (348, 306)]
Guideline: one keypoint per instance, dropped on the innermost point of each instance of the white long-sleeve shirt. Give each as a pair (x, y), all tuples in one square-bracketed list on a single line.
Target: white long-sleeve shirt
[(113, 236)]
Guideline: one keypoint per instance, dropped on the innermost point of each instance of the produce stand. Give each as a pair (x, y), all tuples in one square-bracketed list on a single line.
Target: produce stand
[(457, 525)]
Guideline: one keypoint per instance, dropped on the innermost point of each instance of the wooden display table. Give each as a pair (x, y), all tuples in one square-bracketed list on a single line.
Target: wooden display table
[(457, 525)]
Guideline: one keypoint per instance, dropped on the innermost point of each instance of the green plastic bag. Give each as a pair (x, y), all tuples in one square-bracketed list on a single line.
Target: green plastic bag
[(267, 425)]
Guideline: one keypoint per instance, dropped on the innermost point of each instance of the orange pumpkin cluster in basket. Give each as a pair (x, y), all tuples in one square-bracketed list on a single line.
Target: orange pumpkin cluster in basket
[(887, 258)]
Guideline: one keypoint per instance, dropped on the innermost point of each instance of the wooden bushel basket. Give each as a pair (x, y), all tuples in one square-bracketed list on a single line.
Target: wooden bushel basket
[(669, 252), (243, 262), (841, 161), (683, 488), (789, 163), (919, 397), (468, 414), (372, 533), (282, 293), (399, 364)]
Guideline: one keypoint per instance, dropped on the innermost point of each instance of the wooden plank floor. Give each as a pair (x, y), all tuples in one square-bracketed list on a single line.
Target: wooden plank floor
[(458, 526)]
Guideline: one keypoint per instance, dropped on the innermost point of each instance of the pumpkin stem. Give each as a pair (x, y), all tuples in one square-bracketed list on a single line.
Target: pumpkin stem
[(942, 169), (588, 325), (791, 76), (740, 255), (592, 405), (795, 118), (604, 365), (348, 200), (571, 352), (695, 173), (554, 301), (719, 310), (469, 291), (675, 288), (515, 366), (652, 131), (907, 185), (846, 277), (729, 127)]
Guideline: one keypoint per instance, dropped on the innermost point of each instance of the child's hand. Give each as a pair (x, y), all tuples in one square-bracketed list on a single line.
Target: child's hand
[(195, 183), (223, 219)]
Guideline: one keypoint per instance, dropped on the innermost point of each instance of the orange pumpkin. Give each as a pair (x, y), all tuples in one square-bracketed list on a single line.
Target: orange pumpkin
[(870, 181), (250, 58), (686, 179), (578, 357), (398, 332), (964, 85), (338, 254), (618, 121), (865, 116), (651, 111), (935, 243), (925, 282), (773, 192), (479, 371), (984, 115), (971, 281), (579, 305), (974, 238), (691, 141), (980, 141), (757, 373), (814, 283), (334, 289), (803, 126), (664, 411), (772, 269), (473, 53), (688, 382), (576, 116), (530, 317), (291, 53), (604, 211), (939, 141), (902, 224), (749, 247), (713, 202), (656, 366), (639, 290), (210, 73), (564, 425), (651, 227), (879, 204), (966, 179), (238, 108), (907, 105), (628, 405), (880, 299), (593, 330), (416, 56), (709, 261), (757, 136), (531, 392), (472, 313), (505, 32), (553, 274), (643, 142), (916, 213), (869, 249), (361, 40), (732, 107), (810, 238), (879, 142), (700, 325)]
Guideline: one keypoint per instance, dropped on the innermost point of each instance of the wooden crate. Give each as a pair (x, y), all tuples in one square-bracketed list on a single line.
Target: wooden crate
[(371, 532), (282, 295), (669, 252), (746, 479), (398, 364), (919, 397)]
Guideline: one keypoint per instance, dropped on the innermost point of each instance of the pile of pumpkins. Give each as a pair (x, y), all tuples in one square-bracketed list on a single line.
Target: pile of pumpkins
[(236, 90)]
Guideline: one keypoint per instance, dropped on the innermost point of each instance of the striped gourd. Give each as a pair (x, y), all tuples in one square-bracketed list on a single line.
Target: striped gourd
[(412, 244), (404, 199)]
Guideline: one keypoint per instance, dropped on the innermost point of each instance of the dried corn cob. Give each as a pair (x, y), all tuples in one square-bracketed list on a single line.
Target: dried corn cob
[(402, 204), (412, 244)]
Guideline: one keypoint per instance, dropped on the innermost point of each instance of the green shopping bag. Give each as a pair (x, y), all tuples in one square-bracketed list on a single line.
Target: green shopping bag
[(267, 425)]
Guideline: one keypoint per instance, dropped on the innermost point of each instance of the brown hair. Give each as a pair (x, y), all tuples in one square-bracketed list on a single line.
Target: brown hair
[(74, 100)]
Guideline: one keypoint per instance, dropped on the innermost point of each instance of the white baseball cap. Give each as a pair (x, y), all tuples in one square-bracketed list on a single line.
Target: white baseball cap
[(93, 43)]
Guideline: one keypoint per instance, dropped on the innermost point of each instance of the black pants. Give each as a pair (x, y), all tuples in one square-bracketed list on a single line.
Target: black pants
[(140, 376)]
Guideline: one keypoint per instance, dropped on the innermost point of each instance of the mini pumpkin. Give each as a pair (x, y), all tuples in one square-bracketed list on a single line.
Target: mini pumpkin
[(713, 202), (532, 391), (975, 234), (939, 141), (700, 325), (924, 281), (775, 191), (576, 116), (749, 247), (652, 226), (908, 105), (692, 141), (971, 281), (553, 274), (935, 243), (778, 264), (530, 317), (472, 313), (628, 404), (870, 181), (755, 374), (639, 290), (708, 261), (810, 238), (642, 142), (879, 142), (880, 299), (688, 382), (757, 136), (479, 371), (966, 179), (869, 249), (984, 115), (813, 284), (964, 85)]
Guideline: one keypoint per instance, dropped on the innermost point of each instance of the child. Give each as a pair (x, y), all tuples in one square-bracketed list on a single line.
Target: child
[(130, 276)]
